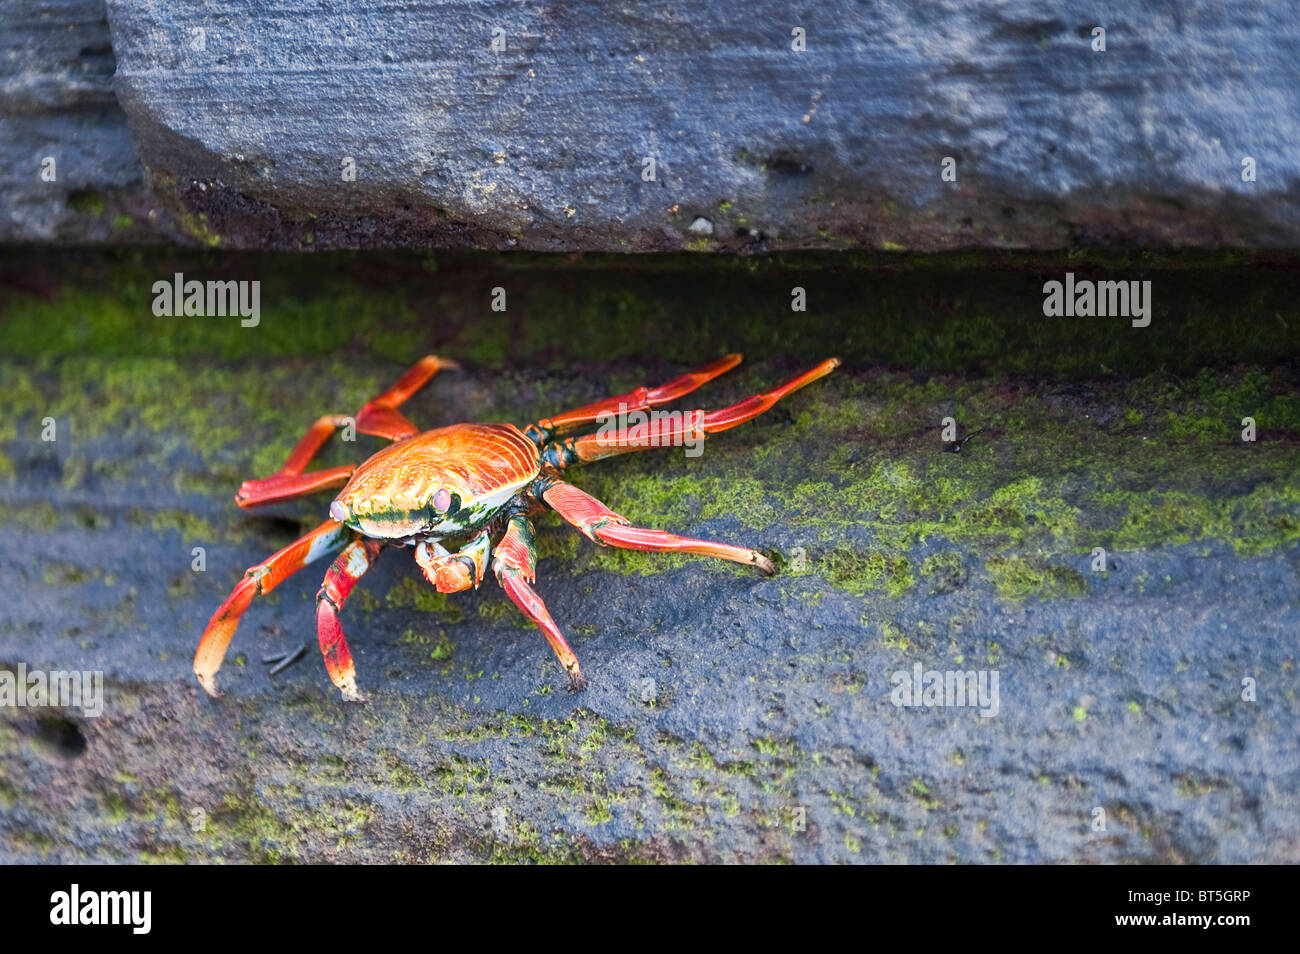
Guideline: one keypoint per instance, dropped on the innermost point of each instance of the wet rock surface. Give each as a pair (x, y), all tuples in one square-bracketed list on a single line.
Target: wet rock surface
[(729, 717)]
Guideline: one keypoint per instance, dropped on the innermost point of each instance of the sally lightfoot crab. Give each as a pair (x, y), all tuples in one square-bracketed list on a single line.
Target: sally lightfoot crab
[(469, 484)]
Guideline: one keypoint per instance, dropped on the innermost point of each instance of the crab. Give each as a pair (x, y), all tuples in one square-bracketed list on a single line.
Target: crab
[(467, 485)]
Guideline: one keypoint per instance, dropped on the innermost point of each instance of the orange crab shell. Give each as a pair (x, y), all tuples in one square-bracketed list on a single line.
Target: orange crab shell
[(480, 467)]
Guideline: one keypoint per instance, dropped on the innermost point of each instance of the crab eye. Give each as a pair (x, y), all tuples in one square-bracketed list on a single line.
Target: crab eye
[(442, 500)]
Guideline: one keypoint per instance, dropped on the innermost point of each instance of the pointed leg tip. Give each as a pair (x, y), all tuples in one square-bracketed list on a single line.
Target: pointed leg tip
[(246, 497), (577, 682), (765, 566), (347, 684), (209, 684)]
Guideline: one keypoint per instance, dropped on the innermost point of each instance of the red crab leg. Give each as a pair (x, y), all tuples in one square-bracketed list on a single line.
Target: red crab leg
[(378, 417), (639, 400), (691, 425), (513, 562), (259, 579), (599, 523), (357, 557)]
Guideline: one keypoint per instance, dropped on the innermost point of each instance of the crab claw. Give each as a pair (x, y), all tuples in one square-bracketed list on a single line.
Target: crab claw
[(449, 576), (453, 572)]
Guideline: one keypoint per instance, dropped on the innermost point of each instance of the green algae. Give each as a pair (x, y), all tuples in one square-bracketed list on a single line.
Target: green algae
[(854, 454), (1018, 577), (944, 572), (421, 595), (853, 469), (913, 311), (859, 572), (86, 202), (1125, 487)]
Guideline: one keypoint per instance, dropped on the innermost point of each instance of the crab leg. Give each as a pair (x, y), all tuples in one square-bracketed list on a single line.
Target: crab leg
[(597, 522), (378, 417), (513, 562), (354, 560), (691, 425), (639, 400), (257, 580)]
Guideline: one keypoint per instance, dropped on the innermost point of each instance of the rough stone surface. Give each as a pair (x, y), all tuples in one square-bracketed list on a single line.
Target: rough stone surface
[(542, 144), (56, 77), (721, 704)]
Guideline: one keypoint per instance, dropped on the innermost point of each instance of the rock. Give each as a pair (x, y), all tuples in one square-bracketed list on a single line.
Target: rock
[(567, 126), (68, 168), (702, 226), (729, 717)]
